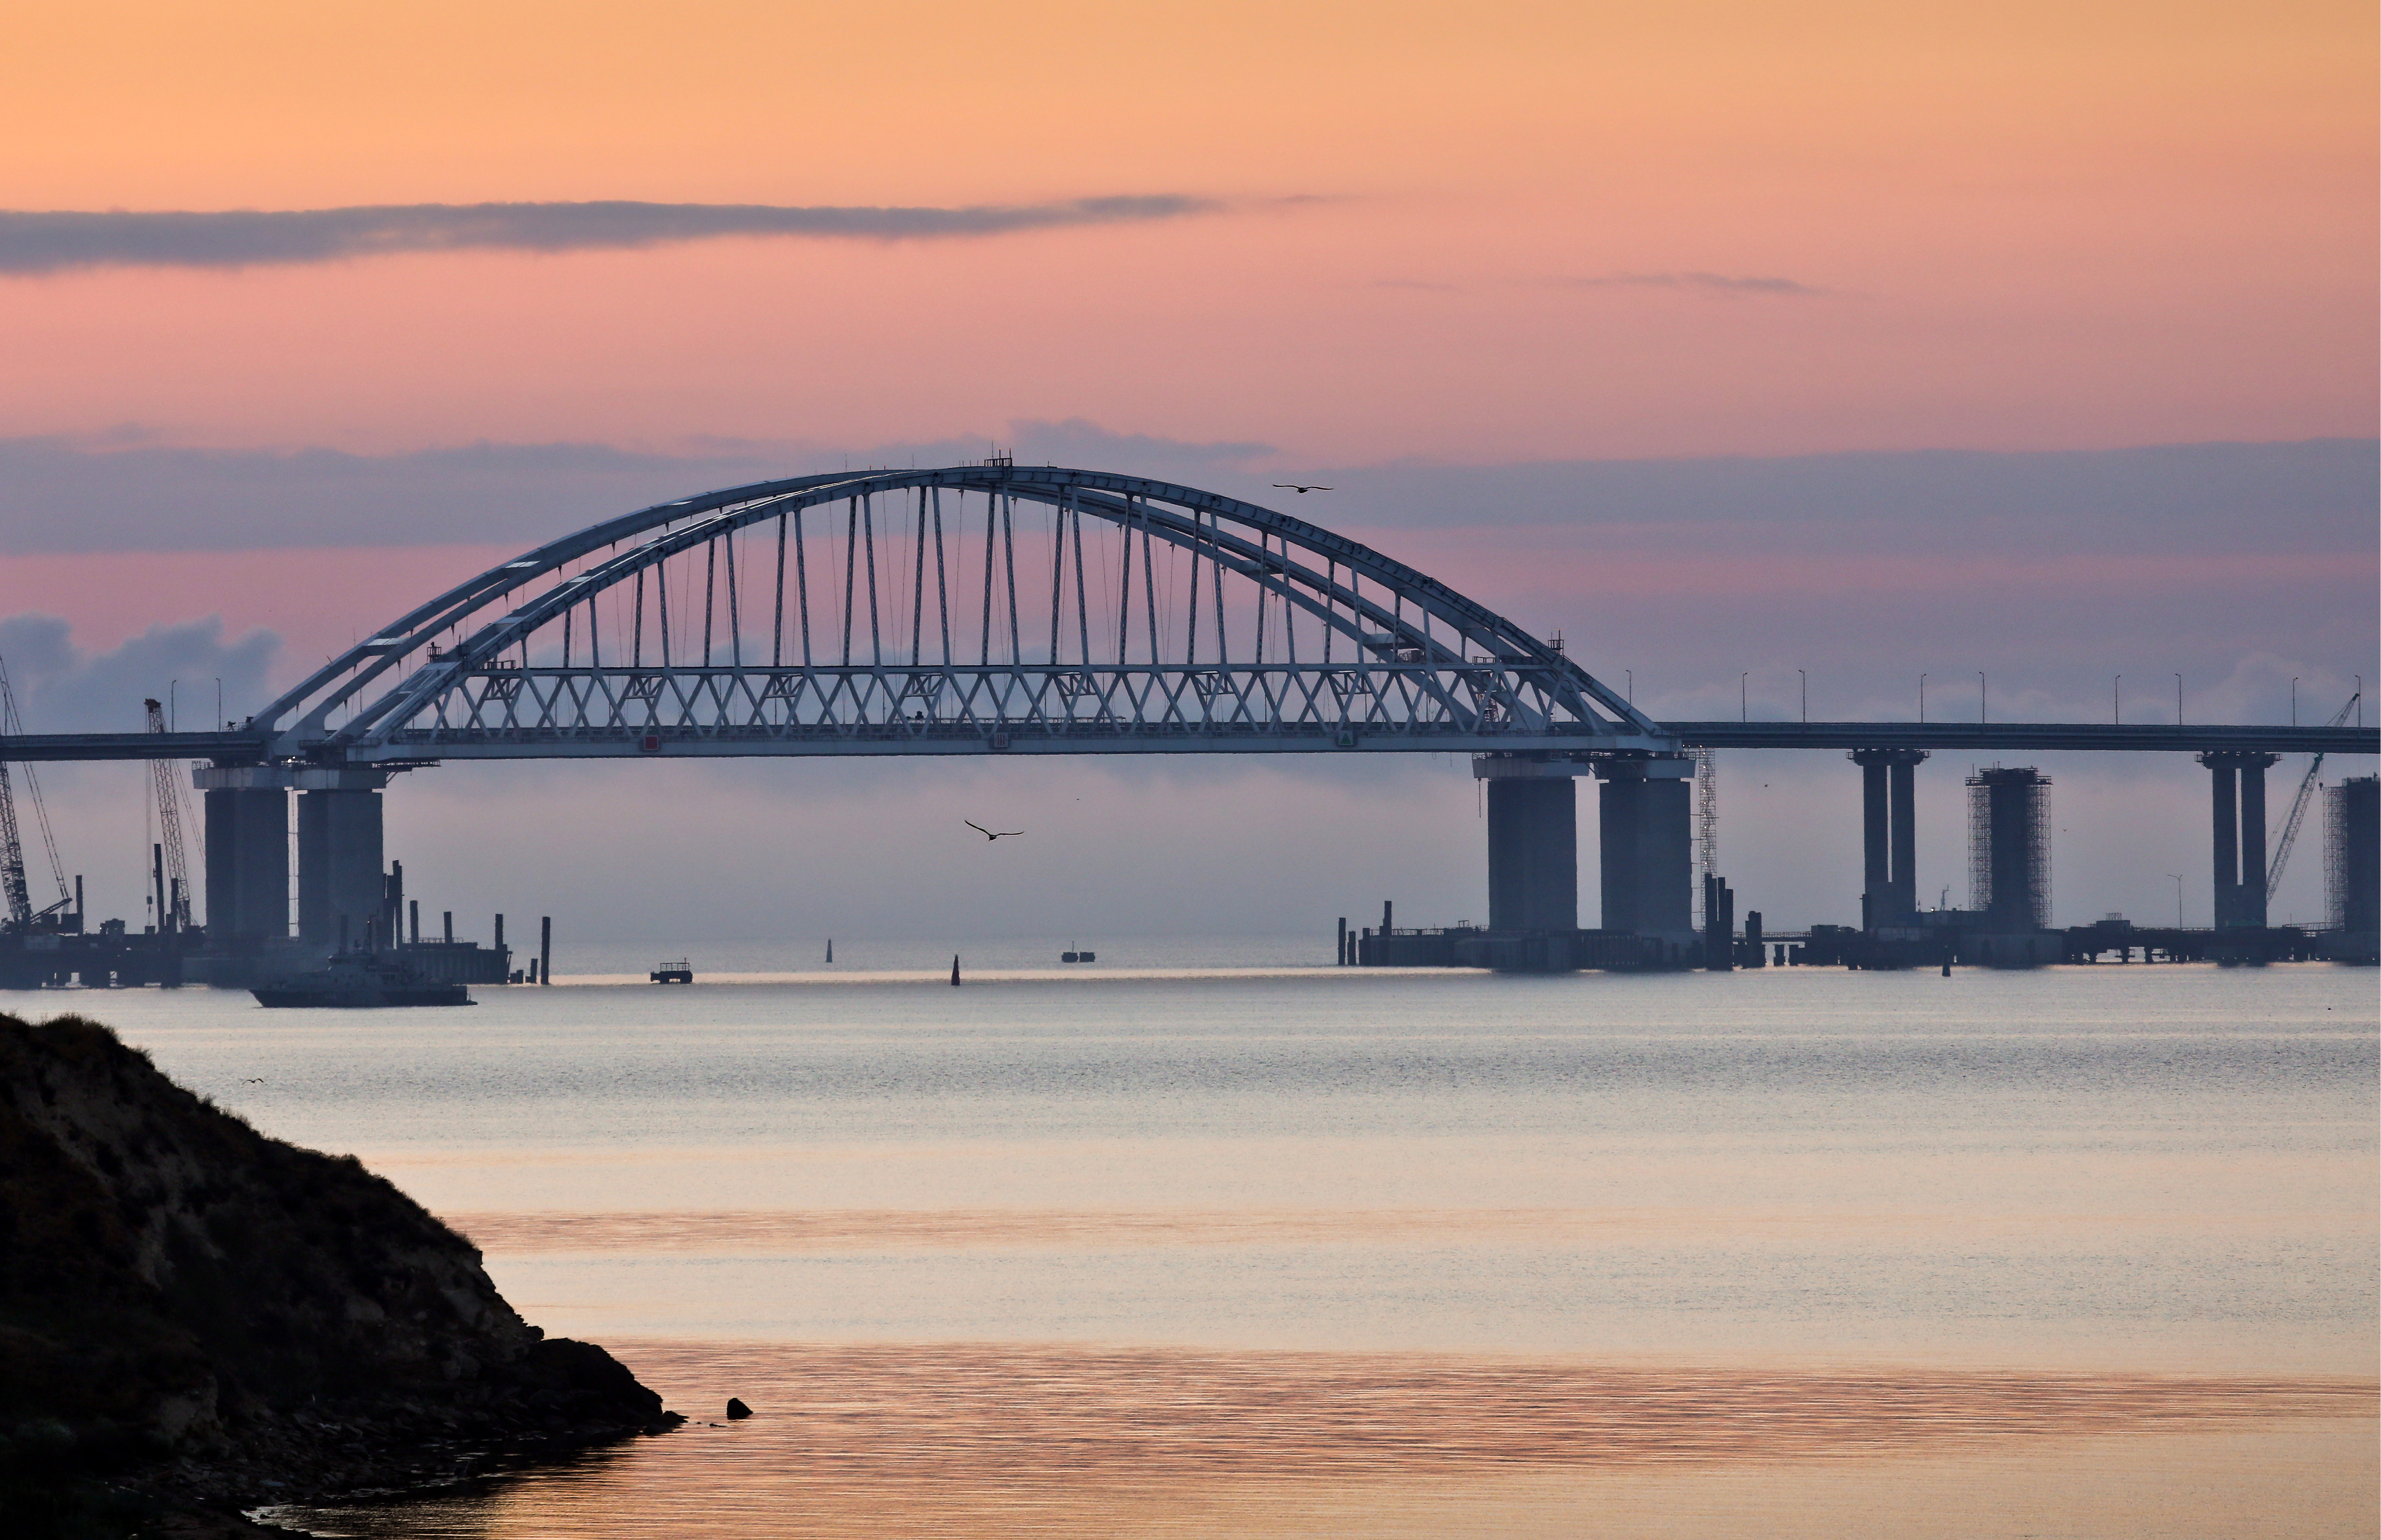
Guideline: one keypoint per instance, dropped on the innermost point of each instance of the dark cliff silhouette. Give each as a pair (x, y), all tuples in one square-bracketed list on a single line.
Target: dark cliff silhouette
[(196, 1318)]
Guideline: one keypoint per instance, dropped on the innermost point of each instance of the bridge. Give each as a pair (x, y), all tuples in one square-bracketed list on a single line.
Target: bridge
[(1017, 610), (248, 748)]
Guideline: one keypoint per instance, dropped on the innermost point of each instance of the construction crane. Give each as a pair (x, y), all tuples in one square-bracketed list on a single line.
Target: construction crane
[(12, 857), (2298, 808), (13, 884), (174, 876)]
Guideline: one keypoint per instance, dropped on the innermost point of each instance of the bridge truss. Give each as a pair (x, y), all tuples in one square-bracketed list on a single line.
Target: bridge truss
[(993, 607)]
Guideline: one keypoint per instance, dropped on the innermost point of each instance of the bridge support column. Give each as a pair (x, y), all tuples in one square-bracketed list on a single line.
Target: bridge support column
[(2225, 778), (1644, 822), (1889, 836), (2237, 783), (1876, 849), (247, 863), (340, 881), (1533, 843), (2251, 907), (1903, 771)]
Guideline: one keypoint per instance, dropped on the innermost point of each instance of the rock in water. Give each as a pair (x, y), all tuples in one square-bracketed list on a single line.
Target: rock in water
[(738, 1411), (195, 1310)]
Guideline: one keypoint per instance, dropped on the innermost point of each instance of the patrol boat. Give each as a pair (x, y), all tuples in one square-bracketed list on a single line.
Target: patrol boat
[(351, 979)]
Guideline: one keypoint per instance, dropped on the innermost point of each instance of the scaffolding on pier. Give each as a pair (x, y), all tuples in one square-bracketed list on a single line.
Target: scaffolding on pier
[(2008, 847), (1707, 827)]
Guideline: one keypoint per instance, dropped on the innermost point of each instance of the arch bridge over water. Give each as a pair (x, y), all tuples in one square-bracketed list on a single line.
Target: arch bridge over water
[(1015, 609), (1018, 610)]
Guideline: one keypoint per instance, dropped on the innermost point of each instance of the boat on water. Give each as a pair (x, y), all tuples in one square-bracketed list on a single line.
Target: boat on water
[(679, 971), (359, 979)]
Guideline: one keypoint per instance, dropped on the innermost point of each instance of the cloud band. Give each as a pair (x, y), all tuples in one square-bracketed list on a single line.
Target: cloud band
[(1709, 283), (33, 242)]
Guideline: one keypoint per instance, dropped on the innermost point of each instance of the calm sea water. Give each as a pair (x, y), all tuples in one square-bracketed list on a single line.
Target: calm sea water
[(1169, 1246)]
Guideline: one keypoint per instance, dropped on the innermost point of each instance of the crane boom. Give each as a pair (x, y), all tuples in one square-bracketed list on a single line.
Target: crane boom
[(13, 885), (2289, 834), (12, 857), (163, 775)]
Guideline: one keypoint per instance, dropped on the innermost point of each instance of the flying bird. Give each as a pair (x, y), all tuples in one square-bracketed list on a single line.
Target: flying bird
[(987, 833), (1301, 490)]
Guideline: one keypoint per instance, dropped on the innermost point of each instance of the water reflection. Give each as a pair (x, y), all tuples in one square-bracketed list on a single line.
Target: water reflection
[(788, 1232), (956, 1438)]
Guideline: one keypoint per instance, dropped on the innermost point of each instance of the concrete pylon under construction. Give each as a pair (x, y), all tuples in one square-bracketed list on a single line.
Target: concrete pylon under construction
[(2009, 848), (1889, 836), (2237, 783)]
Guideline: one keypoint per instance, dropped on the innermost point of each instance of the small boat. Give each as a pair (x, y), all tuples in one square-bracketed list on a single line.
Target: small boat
[(1078, 957), (669, 973), (359, 979)]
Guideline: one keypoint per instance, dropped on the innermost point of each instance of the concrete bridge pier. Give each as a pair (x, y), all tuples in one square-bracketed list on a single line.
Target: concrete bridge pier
[(1645, 826), (340, 889), (247, 862), (1889, 836), (2237, 784), (339, 882), (1644, 821), (1533, 843)]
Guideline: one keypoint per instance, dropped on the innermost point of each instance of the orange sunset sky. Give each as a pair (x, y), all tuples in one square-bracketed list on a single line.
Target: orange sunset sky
[(1469, 232), (1442, 255)]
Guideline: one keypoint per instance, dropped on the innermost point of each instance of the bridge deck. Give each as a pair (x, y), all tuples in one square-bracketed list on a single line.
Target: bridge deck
[(2026, 737), (2005, 736)]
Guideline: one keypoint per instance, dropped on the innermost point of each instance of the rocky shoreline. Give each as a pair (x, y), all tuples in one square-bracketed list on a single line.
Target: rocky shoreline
[(196, 1320)]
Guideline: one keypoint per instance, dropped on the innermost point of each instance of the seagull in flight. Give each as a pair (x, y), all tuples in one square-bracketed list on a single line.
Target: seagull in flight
[(1301, 490), (979, 828)]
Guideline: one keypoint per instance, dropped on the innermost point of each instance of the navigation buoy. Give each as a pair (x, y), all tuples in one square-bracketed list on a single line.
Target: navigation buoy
[(955, 969), (830, 949)]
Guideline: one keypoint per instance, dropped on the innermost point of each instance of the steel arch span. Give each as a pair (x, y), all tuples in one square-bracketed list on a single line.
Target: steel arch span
[(993, 607)]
